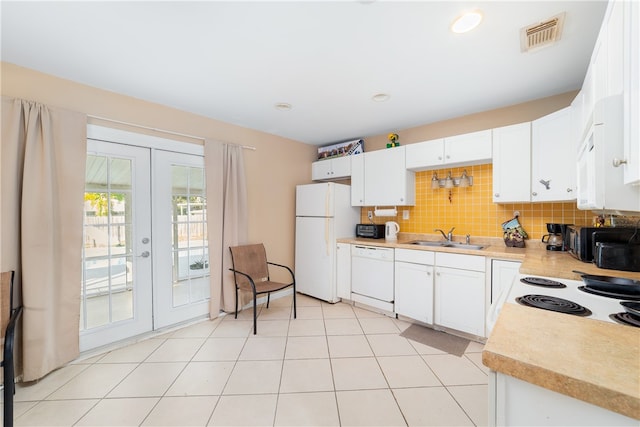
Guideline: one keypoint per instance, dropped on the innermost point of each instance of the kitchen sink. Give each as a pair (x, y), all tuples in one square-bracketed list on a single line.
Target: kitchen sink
[(463, 246), (427, 243), (447, 245)]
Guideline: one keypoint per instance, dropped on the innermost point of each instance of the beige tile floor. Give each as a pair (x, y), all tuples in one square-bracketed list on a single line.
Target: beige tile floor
[(333, 365)]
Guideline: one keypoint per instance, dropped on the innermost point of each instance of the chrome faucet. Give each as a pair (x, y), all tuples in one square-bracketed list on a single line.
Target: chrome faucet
[(448, 236)]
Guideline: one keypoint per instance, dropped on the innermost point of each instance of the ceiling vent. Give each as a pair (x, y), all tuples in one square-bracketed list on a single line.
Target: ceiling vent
[(543, 34)]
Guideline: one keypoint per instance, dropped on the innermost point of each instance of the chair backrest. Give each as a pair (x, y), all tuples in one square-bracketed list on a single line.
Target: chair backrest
[(6, 278), (251, 260)]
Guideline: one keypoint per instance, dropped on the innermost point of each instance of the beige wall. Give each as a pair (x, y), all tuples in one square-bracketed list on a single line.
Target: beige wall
[(474, 122), (271, 187)]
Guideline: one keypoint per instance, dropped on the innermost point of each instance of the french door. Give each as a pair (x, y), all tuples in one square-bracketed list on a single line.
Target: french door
[(145, 254), (181, 261)]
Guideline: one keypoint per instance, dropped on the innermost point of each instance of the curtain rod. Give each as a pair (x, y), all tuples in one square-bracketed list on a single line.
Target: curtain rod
[(246, 147)]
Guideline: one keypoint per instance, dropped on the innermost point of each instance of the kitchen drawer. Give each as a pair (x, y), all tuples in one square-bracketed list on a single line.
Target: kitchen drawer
[(415, 257), (461, 261)]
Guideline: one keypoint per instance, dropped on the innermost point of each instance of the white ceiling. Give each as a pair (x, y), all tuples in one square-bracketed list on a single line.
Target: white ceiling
[(233, 61)]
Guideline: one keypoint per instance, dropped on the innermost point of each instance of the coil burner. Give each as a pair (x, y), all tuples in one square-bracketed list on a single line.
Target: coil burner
[(550, 303), (626, 319), (545, 283)]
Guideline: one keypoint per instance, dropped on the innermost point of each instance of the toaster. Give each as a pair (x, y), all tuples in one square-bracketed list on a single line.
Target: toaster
[(370, 231)]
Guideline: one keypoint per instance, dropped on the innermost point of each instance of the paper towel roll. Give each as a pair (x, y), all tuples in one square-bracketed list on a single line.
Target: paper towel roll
[(385, 212)]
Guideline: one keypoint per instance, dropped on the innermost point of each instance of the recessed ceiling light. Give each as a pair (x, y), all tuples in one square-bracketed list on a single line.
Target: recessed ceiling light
[(466, 22), (283, 106), (380, 97)]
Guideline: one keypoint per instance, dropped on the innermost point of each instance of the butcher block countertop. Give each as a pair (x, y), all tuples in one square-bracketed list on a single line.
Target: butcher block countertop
[(590, 360)]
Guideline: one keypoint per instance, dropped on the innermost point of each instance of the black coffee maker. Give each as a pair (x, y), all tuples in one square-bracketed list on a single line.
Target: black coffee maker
[(555, 238)]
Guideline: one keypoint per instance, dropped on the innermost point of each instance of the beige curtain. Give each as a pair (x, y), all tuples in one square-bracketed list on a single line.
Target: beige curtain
[(227, 219), (43, 167)]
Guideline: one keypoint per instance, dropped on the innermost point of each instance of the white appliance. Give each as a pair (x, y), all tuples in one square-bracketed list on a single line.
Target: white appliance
[(600, 177), (391, 231), (372, 271), (323, 214), (506, 393)]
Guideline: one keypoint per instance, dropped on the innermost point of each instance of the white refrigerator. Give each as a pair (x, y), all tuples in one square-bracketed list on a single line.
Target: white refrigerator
[(323, 214)]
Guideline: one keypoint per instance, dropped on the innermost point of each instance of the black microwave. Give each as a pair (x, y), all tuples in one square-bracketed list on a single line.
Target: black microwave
[(581, 241)]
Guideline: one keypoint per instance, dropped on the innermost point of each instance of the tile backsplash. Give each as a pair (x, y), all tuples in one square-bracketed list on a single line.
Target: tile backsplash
[(471, 210)]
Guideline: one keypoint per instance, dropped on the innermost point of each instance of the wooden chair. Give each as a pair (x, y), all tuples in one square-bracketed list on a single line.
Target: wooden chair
[(8, 322), (251, 273)]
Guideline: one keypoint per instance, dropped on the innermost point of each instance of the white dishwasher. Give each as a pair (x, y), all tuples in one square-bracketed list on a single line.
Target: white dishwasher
[(372, 276)]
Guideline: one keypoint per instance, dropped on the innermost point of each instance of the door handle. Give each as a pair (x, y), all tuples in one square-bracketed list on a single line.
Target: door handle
[(144, 254)]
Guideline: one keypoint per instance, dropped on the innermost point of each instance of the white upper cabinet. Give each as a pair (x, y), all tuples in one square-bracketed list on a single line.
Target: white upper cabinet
[(468, 149), (357, 180), (631, 82), (460, 150), (615, 49), (336, 168), (425, 155), (553, 158), (512, 163), (607, 60), (387, 182)]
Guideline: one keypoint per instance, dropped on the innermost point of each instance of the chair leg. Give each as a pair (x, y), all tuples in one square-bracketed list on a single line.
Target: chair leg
[(236, 302), (268, 297), (294, 301), (255, 316)]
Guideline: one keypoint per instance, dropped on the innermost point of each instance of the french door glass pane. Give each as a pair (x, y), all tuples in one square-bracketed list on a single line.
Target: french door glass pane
[(107, 283), (190, 253)]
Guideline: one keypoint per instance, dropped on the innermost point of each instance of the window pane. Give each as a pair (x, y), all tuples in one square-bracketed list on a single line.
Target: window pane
[(120, 174), (189, 244), (121, 288), (96, 175), (196, 181), (179, 179)]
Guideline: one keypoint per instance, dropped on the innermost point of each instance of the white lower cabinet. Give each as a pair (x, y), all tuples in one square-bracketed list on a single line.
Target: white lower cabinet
[(343, 270), (513, 402), (502, 274), (459, 294), (414, 284)]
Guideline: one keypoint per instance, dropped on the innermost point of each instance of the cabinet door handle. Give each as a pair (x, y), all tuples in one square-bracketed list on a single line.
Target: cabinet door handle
[(617, 162), (569, 190), (534, 194), (496, 195)]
